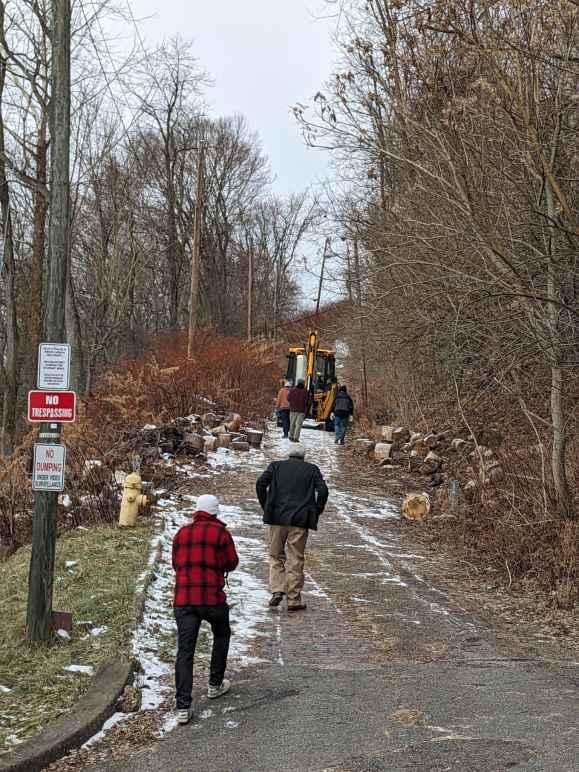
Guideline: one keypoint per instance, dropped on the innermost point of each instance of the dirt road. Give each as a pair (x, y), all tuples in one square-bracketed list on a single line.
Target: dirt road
[(387, 669)]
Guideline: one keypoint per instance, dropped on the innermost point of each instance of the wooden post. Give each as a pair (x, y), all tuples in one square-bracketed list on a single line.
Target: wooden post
[(196, 251), (41, 577)]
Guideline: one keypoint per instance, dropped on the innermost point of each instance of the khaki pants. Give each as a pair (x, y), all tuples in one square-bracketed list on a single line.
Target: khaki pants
[(286, 560), (296, 421)]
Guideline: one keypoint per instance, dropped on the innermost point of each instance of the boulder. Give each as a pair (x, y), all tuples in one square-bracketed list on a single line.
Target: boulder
[(209, 420), (416, 506), (193, 441), (364, 446), (432, 463), (387, 432), (240, 445), (400, 434), (382, 450)]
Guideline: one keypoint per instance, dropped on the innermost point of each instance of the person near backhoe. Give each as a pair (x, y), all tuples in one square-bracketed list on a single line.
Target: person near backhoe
[(283, 408), (293, 495), (343, 410), (299, 402), (203, 554)]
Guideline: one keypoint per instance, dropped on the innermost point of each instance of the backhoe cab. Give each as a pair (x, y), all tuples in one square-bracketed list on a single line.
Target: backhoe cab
[(316, 367)]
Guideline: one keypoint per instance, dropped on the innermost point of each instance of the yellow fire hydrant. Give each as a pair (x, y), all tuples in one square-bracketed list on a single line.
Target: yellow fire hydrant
[(132, 501)]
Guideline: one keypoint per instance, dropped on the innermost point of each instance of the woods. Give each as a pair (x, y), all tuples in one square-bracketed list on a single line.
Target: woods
[(454, 132), (139, 123)]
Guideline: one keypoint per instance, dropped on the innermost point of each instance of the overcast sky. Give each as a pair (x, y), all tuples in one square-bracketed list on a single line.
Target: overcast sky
[(264, 55)]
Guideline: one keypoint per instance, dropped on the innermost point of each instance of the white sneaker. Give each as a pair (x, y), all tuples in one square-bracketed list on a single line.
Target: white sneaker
[(184, 715), (218, 691)]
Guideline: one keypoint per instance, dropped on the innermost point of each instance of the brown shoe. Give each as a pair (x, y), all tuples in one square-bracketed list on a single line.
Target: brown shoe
[(298, 605)]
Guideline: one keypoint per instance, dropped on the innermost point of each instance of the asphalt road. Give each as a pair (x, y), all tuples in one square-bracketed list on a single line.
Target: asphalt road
[(384, 671)]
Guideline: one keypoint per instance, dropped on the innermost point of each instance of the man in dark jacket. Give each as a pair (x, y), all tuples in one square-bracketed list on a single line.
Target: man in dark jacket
[(203, 553), (292, 494), (343, 408), (299, 402)]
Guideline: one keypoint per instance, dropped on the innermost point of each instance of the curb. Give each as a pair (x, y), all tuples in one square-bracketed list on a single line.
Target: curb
[(98, 704), (76, 727)]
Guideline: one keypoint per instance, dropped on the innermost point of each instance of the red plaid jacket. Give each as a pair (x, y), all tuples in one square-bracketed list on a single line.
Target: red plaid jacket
[(203, 552)]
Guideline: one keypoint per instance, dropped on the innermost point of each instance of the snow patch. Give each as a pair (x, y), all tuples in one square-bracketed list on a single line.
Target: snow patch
[(82, 669)]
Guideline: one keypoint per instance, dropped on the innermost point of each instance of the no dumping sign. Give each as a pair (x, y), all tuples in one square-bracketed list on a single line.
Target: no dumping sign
[(48, 471)]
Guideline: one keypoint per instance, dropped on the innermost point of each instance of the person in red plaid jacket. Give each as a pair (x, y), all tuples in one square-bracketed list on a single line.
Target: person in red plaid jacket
[(203, 554)]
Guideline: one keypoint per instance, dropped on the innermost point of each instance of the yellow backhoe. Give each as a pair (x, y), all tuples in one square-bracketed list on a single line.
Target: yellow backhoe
[(316, 367)]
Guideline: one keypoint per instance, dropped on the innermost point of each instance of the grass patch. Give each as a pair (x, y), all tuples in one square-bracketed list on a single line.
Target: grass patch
[(99, 590)]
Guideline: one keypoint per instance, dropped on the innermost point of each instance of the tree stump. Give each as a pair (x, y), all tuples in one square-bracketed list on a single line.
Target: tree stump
[(416, 506)]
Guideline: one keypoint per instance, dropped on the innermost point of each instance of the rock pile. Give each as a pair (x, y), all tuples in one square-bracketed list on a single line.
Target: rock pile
[(197, 435), (440, 456)]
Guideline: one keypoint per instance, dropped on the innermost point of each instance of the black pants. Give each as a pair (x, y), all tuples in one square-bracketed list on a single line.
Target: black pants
[(189, 620), (284, 418)]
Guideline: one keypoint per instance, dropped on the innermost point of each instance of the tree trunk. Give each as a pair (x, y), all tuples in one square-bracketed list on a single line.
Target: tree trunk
[(558, 382), (12, 340)]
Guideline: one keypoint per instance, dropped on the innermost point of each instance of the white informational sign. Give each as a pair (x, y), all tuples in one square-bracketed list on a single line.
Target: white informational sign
[(54, 366), (48, 471)]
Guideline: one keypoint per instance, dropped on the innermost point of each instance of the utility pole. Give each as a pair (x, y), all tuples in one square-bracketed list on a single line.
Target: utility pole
[(250, 291), (361, 321), (41, 577), (196, 252), (327, 249)]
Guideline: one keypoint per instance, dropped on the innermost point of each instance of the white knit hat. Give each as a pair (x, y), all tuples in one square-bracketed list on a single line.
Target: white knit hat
[(209, 504)]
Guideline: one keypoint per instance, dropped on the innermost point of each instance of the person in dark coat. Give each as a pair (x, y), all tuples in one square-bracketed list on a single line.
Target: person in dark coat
[(293, 495), (343, 408), (299, 403)]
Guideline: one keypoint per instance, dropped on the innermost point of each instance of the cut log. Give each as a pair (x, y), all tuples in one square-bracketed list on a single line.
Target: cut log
[(400, 434), (416, 506), (364, 446), (387, 433), (240, 445), (224, 440), (432, 463), (233, 423), (254, 438), (210, 444), (382, 450)]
